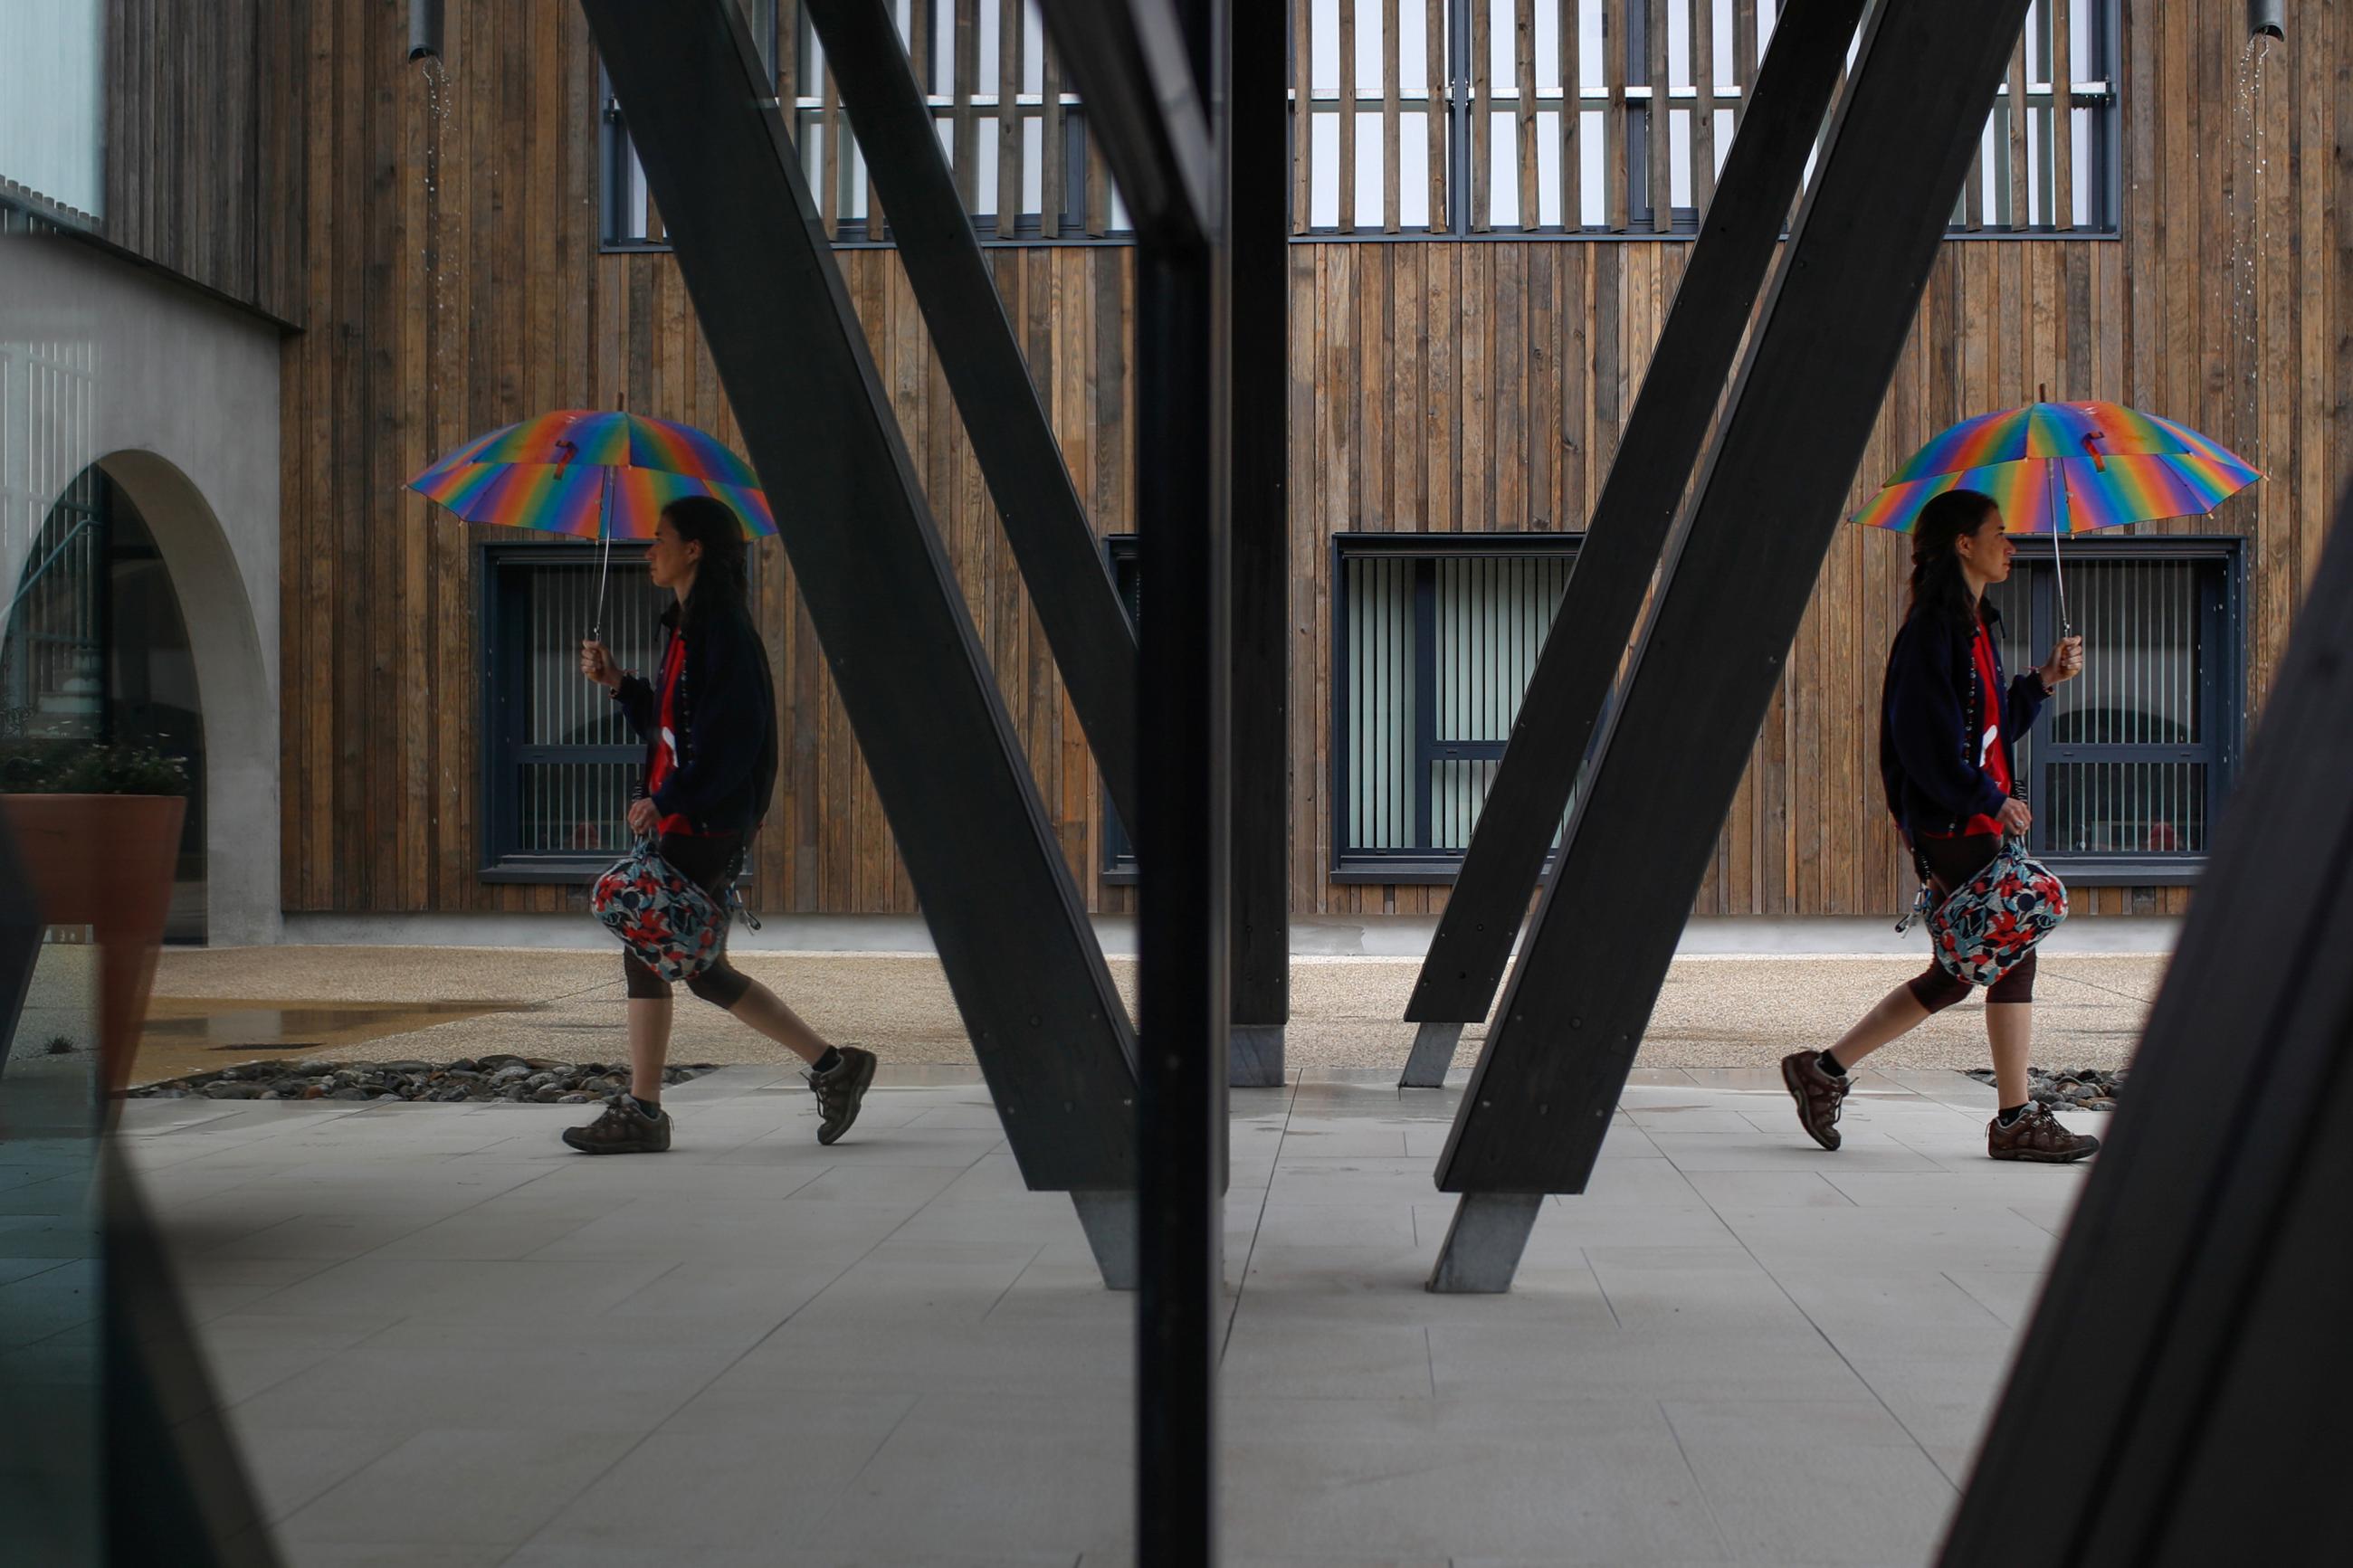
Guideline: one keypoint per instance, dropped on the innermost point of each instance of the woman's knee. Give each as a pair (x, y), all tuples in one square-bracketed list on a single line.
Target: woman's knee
[(1936, 990), (723, 985)]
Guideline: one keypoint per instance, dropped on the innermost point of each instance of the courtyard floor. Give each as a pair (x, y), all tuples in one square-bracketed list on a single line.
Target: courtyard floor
[(445, 1340), (215, 1008)]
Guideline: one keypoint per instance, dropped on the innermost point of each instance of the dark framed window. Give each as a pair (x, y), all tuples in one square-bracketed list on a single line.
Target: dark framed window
[(1429, 133), (1025, 163), (559, 763), (1434, 638), (2130, 763)]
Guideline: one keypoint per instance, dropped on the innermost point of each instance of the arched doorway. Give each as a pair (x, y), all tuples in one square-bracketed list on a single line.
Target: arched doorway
[(97, 648)]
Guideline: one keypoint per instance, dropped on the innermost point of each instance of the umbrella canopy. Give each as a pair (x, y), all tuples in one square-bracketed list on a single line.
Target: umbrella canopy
[(2066, 467), (592, 474)]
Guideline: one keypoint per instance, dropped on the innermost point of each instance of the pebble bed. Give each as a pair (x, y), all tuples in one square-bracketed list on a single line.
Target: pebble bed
[(527, 1079), (2072, 1089)]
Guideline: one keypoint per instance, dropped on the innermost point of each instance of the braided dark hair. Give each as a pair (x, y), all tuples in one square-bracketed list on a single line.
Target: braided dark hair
[(722, 579), (1938, 586)]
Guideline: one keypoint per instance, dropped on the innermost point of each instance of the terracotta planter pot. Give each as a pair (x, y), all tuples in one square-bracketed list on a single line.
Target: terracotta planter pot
[(105, 861)]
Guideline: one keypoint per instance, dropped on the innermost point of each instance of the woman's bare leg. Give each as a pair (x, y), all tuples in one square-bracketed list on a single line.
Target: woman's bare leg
[(1897, 1014), (765, 1011), (2009, 1030), (649, 1045)]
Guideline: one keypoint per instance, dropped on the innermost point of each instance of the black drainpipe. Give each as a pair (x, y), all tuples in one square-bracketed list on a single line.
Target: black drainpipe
[(424, 29), (2266, 16)]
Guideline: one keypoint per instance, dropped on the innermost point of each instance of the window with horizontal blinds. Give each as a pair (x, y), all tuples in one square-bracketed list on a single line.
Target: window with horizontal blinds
[(2127, 764), (1434, 647), (562, 764)]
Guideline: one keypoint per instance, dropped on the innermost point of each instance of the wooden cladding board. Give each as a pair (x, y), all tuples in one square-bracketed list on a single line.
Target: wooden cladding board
[(1436, 385), (202, 157)]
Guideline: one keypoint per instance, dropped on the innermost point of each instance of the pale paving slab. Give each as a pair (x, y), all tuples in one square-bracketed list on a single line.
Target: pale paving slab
[(759, 1350)]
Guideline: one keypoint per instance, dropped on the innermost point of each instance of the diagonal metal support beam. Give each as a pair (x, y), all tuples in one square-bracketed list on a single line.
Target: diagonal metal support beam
[(1048, 1029), (2208, 1253), (1762, 517), (1132, 66), (1630, 528), (1061, 566)]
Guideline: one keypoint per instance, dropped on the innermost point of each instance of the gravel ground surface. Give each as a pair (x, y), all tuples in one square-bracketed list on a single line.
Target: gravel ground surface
[(218, 1006)]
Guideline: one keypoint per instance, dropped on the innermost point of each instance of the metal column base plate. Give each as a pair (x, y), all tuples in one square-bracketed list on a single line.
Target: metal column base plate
[(1485, 1243), (1433, 1053), (1254, 1058), (1109, 1222)]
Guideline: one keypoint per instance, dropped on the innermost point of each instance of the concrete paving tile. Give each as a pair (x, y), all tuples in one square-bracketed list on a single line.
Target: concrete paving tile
[(1286, 1224), (1899, 1239), (909, 1285), (705, 1288), (1505, 1362), (41, 1304), (1691, 1120), (1588, 1480), (1792, 1150), (320, 1237), (487, 1489), (1890, 1312), (481, 1233), (1988, 1181), (986, 1358), (1762, 1464), (727, 1412), (992, 1474), (1768, 1189), (289, 1467), (1691, 1288), (480, 1290), (407, 1554), (544, 1387), (2009, 1294), (1570, 1223), (870, 1183), (677, 1492), (676, 1231), (1276, 1355)]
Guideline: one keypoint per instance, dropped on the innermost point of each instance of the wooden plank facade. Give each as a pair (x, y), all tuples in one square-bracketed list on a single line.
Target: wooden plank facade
[(451, 277)]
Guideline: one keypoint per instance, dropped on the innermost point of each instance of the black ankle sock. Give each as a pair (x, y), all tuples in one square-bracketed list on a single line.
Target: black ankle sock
[(649, 1109), (1831, 1065), (827, 1062), (2010, 1115)]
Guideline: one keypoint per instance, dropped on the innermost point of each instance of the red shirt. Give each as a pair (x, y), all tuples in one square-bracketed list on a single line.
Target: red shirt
[(665, 761), (1991, 755)]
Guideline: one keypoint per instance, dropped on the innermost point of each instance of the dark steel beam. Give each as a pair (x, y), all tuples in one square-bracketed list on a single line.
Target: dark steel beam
[(1631, 523), (1048, 1027), (1135, 68), (1045, 523), (2208, 1253), (1762, 518), (1256, 264)]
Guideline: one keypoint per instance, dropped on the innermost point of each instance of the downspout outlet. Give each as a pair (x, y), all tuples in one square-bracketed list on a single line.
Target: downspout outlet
[(2267, 16), (424, 30)]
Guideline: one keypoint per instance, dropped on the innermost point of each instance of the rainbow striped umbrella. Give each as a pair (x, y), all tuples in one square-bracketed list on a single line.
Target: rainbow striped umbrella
[(2066, 467), (593, 476)]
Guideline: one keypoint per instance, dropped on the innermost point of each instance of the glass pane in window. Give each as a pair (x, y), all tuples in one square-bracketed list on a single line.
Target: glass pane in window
[(2126, 808), (1379, 810), (577, 804), (2138, 620), (1492, 615)]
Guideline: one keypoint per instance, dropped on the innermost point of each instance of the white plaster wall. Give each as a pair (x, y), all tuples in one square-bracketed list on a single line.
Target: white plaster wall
[(178, 395)]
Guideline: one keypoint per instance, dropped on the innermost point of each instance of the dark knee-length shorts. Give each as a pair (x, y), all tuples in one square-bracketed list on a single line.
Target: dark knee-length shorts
[(1953, 861), (708, 860)]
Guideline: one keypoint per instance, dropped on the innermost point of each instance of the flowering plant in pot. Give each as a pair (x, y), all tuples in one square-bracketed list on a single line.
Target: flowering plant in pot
[(97, 830)]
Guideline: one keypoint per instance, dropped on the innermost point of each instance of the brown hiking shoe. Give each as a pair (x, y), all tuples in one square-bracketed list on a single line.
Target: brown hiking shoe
[(1819, 1095), (622, 1129), (840, 1092), (2036, 1135)]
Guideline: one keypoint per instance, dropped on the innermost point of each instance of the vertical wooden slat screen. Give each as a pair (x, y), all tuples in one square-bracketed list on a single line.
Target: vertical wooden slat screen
[(1438, 79), (1615, 120), (1051, 181), (2021, 211), (1098, 191), (1662, 118), (789, 50), (1303, 114), (1008, 117), (967, 67), (1392, 175), (1483, 119), (1347, 115), (1703, 56), (1524, 59), (1572, 118), (2063, 117)]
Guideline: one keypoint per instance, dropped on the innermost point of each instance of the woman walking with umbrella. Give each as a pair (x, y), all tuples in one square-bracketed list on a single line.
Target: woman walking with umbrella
[(709, 720), (1947, 724)]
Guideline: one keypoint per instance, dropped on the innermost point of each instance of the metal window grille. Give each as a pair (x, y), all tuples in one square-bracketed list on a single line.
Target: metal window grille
[(1017, 140), (1434, 645), (53, 660), (1458, 117), (2130, 762), (561, 762)]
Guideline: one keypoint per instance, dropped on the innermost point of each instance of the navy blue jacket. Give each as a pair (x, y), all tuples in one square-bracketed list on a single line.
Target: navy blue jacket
[(1929, 711), (726, 725)]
